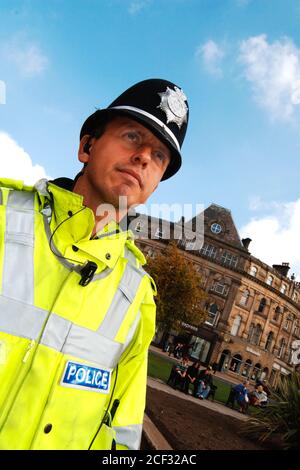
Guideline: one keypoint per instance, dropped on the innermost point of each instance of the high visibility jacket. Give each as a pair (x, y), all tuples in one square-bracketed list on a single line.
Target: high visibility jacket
[(69, 353)]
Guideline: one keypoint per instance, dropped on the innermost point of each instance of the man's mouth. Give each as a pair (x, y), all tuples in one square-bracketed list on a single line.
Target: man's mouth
[(133, 174)]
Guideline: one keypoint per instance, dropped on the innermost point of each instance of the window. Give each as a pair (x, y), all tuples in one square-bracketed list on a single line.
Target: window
[(283, 288), (270, 280), (269, 341), (230, 260), (262, 305), (295, 297), (212, 316), (236, 325), (236, 363), (277, 312), (220, 288), (288, 322), (257, 331), (253, 271), (245, 297), (138, 227), (296, 331), (189, 245), (281, 348), (150, 253), (158, 233), (216, 228), (209, 250)]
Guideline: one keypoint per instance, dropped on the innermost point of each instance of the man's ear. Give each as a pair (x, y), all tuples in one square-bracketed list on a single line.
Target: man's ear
[(83, 150)]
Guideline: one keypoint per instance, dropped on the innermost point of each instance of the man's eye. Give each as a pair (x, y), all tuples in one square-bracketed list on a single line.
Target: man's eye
[(160, 155), (133, 137)]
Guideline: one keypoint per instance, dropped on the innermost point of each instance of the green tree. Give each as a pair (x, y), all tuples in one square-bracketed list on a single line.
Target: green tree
[(179, 289)]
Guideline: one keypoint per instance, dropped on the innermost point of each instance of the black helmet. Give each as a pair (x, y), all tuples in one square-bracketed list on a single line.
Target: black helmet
[(160, 106)]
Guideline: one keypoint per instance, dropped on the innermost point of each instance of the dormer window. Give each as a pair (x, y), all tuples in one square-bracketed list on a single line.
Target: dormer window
[(253, 271), (283, 288)]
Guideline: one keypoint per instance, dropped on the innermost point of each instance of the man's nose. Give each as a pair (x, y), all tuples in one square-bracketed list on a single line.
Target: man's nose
[(142, 155)]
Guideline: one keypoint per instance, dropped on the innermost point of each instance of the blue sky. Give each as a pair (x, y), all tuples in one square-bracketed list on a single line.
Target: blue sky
[(238, 61)]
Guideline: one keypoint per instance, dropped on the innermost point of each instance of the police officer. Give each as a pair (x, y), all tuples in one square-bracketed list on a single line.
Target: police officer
[(77, 309)]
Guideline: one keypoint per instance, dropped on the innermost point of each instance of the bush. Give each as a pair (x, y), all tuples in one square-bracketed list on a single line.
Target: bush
[(281, 417)]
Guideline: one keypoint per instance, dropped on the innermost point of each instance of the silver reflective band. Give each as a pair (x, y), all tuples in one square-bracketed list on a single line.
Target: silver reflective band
[(129, 436), (20, 319), (18, 269), (123, 298), (153, 118), (91, 346)]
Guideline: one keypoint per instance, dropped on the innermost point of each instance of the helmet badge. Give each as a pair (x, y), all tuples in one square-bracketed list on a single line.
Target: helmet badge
[(173, 104)]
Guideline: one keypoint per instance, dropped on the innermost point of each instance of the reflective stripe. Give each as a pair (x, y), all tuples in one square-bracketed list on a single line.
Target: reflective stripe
[(62, 335), (20, 319), (132, 331), (18, 270), (89, 345), (124, 296), (1, 197), (129, 436)]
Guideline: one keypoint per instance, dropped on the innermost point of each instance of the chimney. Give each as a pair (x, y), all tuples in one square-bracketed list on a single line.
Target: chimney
[(246, 242), (283, 268)]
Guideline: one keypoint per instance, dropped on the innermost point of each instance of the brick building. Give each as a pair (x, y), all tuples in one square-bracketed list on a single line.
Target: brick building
[(253, 310)]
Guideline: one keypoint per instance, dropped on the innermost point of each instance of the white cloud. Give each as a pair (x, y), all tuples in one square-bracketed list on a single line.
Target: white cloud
[(16, 163), (275, 237), (27, 57), (137, 5), (273, 69), (211, 54)]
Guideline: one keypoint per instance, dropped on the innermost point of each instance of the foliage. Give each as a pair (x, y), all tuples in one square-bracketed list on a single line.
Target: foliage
[(179, 288), (281, 417)]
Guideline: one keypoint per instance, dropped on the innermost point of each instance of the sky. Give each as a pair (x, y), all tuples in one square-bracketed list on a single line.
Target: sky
[(237, 61)]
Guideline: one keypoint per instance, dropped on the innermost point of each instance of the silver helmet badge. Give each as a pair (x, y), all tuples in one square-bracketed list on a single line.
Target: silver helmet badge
[(173, 104)]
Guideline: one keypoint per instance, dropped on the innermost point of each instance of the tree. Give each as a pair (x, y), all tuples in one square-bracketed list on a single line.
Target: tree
[(179, 289)]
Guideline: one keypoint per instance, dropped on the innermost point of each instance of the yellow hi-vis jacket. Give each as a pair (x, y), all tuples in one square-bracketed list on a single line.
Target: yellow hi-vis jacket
[(69, 353)]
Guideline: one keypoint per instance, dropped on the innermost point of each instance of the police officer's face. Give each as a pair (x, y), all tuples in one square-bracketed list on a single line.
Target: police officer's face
[(127, 160)]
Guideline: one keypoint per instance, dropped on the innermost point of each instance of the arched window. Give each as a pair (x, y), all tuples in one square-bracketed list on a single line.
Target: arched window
[(283, 288), (277, 312), (253, 271), (257, 331), (236, 363), (247, 367), (244, 298), (295, 297), (270, 280), (256, 371), (269, 341), (236, 325), (212, 316), (281, 348), (288, 322), (262, 305)]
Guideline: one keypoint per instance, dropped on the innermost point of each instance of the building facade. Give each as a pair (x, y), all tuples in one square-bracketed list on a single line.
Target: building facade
[(253, 310)]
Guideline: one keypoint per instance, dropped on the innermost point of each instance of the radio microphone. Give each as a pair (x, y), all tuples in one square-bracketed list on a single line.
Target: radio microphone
[(87, 273)]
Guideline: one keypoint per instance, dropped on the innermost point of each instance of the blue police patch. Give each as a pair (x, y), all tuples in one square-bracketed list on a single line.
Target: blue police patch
[(86, 377)]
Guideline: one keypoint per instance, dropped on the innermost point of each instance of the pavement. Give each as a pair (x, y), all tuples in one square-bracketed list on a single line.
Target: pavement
[(152, 434)]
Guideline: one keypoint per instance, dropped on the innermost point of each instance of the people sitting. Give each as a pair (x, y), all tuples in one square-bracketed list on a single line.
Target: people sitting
[(191, 376), (259, 397), (204, 382), (178, 373)]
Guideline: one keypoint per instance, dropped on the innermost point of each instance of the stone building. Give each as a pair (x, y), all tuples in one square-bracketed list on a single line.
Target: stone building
[(253, 310)]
